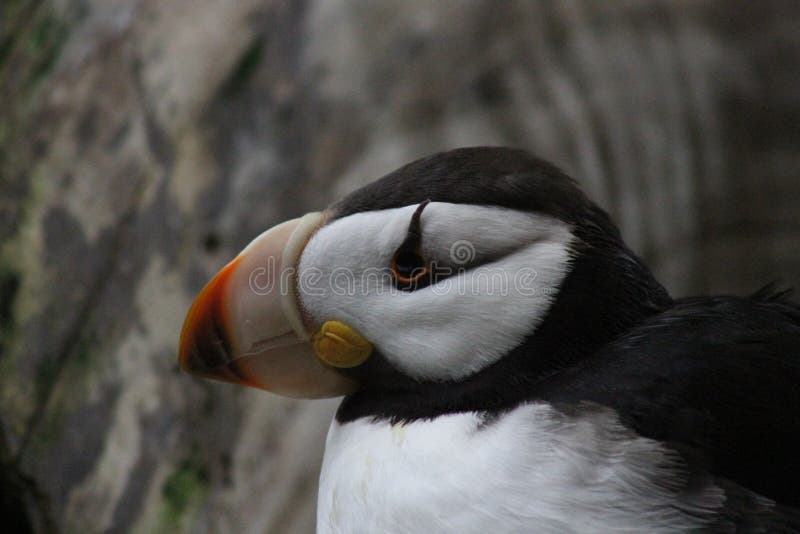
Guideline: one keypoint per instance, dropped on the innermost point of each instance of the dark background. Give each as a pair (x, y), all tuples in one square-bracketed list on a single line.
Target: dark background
[(144, 142)]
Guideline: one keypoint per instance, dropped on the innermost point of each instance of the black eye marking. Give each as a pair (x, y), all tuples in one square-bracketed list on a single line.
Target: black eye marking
[(414, 236), (410, 270)]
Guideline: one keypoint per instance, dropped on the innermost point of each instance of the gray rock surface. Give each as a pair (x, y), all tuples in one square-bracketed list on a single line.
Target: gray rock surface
[(143, 143)]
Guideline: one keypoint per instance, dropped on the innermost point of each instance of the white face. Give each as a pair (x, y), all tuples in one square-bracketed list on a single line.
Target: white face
[(506, 268)]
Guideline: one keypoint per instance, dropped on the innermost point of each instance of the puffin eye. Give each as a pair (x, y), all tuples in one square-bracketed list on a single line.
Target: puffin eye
[(408, 268)]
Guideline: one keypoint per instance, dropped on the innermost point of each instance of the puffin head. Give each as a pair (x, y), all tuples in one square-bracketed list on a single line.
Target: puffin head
[(461, 277)]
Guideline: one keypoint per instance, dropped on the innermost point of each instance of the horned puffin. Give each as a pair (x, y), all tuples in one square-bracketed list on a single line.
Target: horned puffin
[(507, 363)]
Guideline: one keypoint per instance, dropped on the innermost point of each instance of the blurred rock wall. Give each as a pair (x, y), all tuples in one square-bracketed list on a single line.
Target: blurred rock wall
[(143, 143)]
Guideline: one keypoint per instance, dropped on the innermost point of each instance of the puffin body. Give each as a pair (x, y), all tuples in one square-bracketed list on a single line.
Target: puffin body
[(507, 363)]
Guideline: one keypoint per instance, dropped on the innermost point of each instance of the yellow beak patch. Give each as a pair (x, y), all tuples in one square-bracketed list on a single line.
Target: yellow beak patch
[(339, 345)]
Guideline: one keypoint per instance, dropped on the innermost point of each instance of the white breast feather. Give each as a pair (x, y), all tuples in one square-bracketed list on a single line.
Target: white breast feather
[(531, 470)]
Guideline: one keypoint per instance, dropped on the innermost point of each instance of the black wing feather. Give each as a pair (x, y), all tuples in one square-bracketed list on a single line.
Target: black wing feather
[(719, 378)]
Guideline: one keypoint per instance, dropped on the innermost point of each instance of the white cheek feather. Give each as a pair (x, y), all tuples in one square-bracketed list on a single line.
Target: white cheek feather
[(461, 324), (531, 470)]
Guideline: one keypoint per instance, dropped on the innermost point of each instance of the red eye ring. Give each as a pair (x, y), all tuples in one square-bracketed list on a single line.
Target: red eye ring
[(409, 271)]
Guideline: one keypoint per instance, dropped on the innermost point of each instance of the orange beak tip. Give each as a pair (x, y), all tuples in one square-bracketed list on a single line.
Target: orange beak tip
[(204, 344)]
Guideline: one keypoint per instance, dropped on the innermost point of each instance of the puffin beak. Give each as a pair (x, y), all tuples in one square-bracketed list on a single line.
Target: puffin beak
[(246, 325)]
